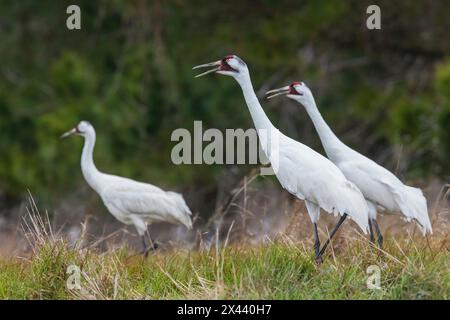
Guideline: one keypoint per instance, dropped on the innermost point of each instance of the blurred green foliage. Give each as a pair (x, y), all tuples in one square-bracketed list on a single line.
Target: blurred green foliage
[(128, 71)]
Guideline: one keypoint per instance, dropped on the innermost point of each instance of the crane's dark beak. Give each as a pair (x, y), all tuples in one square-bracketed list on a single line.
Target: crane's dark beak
[(69, 133), (215, 64), (278, 92)]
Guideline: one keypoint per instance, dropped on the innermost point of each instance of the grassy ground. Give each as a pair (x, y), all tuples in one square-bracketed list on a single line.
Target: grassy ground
[(410, 269)]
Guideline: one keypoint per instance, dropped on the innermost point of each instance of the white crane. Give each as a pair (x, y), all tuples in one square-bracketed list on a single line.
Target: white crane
[(130, 202), (378, 185), (300, 170)]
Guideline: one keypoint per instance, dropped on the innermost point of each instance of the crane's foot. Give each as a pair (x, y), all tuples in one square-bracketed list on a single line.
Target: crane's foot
[(319, 260), (149, 249)]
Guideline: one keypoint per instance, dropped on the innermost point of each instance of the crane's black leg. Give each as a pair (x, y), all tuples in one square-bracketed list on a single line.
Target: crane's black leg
[(318, 257), (146, 249), (372, 238), (379, 235), (153, 244), (336, 227), (144, 245)]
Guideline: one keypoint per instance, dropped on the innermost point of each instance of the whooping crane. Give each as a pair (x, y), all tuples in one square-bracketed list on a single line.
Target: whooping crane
[(303, 172), (378, 185), (130, 202)]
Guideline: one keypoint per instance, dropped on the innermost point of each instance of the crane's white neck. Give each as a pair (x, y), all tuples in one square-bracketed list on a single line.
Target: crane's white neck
[(88, 168), (330, 141), (264, 127)]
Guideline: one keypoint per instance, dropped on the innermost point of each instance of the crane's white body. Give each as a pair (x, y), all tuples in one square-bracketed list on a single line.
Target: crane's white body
[(300, 170), (313, 178), (378, 185), (131, 202)]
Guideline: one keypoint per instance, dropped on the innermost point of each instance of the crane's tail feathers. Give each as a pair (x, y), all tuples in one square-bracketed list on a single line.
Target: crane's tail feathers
[(352, 203), (183, 214), (357, 207), (363, 224), (357, 215), (414, 206)]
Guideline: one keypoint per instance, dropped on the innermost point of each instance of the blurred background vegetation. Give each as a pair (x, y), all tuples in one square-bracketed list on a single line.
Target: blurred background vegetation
[(128, 71)]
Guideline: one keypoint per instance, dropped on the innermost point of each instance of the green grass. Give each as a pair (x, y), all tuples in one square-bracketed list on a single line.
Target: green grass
[(410, 269)]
